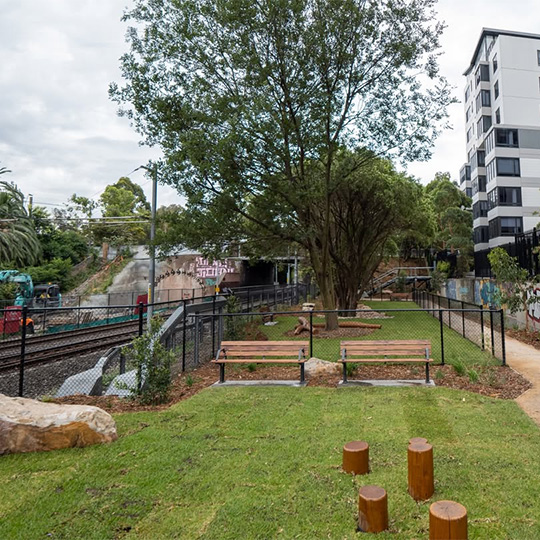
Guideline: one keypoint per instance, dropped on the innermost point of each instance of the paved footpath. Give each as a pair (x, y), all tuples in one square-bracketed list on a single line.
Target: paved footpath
[(526, 360)]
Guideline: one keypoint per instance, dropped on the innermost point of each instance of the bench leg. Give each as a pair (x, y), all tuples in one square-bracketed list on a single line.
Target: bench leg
[(427, 372), (302, 373), (344, 372), (221, 373)]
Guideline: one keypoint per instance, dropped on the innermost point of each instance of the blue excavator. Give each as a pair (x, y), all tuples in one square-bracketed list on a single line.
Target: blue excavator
[(25, 287)]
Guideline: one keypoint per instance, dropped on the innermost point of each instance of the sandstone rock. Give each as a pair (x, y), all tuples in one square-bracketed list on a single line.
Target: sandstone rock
[(27, 425), (315, 367)]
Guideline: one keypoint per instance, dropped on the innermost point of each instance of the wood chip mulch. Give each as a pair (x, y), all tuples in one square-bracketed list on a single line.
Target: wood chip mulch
[(493, 381)]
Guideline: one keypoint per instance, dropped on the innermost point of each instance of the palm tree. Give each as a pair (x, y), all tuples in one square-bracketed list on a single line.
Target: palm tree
[(19, 243)]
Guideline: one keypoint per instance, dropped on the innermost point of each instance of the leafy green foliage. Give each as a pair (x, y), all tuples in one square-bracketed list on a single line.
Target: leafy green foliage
[(8, 292), (513, 282), (19, 243), (153, 364), (263, 112), (235, 327), (55, 271)]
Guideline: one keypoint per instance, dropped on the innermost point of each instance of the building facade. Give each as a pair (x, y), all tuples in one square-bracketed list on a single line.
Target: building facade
[(502, 118)]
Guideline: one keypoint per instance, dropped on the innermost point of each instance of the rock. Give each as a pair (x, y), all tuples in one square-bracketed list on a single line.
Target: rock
[(314, 367), (28, 425)]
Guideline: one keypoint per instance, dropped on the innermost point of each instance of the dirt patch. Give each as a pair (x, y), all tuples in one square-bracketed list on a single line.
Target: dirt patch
[(527, 337), (493, 381)]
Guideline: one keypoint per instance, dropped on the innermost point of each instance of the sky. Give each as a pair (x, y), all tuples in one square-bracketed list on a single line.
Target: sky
[(60, 134)]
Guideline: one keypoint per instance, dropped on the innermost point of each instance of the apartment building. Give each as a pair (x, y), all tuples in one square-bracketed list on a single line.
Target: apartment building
[(502, 118)]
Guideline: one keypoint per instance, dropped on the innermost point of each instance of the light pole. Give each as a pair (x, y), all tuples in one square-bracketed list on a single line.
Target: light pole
[(152, 275)]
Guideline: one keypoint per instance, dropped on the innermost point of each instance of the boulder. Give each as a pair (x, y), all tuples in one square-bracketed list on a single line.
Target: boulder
[(315, 367), (27, 425)]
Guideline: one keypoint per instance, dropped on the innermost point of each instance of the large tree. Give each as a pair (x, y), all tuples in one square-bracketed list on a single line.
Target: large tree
[(252, 102)]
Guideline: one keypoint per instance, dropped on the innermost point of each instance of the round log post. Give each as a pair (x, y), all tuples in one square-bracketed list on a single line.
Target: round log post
[(420, 462), (447, 521), (356, 457), (417, 440), (372, 509)]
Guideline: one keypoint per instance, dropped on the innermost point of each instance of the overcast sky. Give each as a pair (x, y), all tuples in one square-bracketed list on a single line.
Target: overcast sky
[(59, 132)]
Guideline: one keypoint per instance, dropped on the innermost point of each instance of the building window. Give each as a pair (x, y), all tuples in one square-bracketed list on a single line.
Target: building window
[(482, 74), (495, 64), (481, 235), (505, 226), (467, 94), (538, 57), (483, 99), (480, 209), (504, 196), (469, 134), (498, 116), (468, 114), (508, 167), (507, 138), (482, 184), (496, 90), (468, 192), (481, 157), (483, 125), (490, 170)]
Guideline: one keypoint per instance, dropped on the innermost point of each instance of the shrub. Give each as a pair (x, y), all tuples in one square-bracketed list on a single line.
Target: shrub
[(235, 327), (189, 380), (153, 366), (439, 374), (252, 367), (460, 368), (473, 375)]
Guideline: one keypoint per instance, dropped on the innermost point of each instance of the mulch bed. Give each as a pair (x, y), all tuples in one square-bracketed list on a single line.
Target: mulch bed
[(527, 337), (337, 333), (493, 381)]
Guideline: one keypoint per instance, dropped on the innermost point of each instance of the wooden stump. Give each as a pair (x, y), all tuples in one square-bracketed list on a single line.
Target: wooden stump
[(356, 457), (447, 521), (417, 440), (372, 509), (420, 461)]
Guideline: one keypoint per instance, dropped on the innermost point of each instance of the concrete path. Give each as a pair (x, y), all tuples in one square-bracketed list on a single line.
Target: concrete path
[(526, 360)]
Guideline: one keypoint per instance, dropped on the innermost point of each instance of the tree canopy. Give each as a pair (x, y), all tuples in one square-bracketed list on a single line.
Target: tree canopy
[(265, 111)]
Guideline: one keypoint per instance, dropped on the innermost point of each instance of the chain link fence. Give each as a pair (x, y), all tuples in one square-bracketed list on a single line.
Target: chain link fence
[(79, 350)]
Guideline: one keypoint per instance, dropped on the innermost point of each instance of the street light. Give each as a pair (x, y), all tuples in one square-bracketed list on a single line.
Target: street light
[(152, 276)]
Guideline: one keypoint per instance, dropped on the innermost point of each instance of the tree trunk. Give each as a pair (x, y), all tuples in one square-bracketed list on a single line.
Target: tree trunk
[(325, 281), (347, 297)]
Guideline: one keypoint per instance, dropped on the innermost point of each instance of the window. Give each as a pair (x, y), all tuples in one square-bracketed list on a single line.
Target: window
[(481, 157), (496, 90), (467, 94), (469, 134), (490, 170), (482, 74), (468, 192), (483, 125), (480, 209), (507, 138), (508, 167), (483, 99), (538, 57), (496, 63), (481, 235), (498, 116), (504, 196), (505, 226)]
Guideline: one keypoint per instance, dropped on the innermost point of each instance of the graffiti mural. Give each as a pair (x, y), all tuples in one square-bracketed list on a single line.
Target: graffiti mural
[(451, 291), (484, 292), (533, 312), (203, 268)]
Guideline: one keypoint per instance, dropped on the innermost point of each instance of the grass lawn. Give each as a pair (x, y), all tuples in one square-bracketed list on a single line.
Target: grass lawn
[(260, 463), (404, 325)]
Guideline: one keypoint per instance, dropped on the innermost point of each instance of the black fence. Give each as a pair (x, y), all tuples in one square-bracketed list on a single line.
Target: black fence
[(63, 351), (483, 327), (523, 248)]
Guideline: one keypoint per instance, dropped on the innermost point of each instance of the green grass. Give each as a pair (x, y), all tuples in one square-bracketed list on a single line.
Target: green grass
[(260, 463), (403, 325)]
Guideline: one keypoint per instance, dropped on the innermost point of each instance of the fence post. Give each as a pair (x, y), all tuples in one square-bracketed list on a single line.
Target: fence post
[(184, 338), (275, 295), (213, 326), (503, 342), (248, 310), (442, 335), (449, 312), (482, 326), (311, 333), (463, 316), (492, 332), (141, 318), (196, 339), (78, 315), (23, 350)]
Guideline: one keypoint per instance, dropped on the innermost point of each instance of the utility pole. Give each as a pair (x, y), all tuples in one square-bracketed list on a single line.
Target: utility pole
[(152, 277), (30, 204)]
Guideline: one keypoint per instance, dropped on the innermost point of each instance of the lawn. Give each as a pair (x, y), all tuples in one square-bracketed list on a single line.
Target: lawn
[(403, 325), (260, 463)]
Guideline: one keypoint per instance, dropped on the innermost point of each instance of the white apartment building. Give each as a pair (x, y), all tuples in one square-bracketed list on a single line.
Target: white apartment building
[(502, 116)]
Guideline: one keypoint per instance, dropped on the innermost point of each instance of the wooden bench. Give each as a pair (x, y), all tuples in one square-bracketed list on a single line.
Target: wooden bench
[(370, 352), (261, 352)]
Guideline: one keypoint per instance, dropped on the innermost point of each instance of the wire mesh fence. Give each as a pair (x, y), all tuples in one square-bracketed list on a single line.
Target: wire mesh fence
[(71, 350)]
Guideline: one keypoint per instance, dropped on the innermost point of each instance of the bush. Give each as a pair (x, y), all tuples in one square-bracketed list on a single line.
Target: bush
[(56, 271), (460, 368), (153, 364), (235, 327)]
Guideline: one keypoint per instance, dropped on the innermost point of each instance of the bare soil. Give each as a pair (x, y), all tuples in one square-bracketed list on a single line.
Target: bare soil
[(527, 337)]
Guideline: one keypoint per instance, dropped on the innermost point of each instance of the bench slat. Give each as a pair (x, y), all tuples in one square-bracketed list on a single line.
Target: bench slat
[(262, 353), (259, 361), (384, 360), (264, 343), (386, 342)]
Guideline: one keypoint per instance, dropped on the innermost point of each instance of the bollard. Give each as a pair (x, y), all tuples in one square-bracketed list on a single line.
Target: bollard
[(417, 440), (372, 509), (447, 521), (356, 457), (420, 465)]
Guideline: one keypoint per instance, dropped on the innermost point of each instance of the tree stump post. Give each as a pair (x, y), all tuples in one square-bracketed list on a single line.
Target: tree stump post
[(420, 467), (447, 521), (372, 509), (356, 457), (417, 440)]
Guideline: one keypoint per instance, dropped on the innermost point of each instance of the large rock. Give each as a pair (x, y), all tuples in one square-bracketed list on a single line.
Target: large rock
[(315, 367), (27, 425)]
